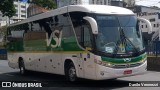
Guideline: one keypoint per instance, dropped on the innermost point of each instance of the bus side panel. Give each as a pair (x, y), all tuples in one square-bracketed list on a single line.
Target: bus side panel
[(84, 64), (89, 66), (43, 62), (13, 60), (72, 57), (54, 63), (29, 61)]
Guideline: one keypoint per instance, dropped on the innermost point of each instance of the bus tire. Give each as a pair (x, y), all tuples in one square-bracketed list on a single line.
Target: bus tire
[(22, 67), (70, 72)]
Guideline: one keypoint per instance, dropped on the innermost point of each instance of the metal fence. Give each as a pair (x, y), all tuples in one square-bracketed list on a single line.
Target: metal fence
[(153, 48)]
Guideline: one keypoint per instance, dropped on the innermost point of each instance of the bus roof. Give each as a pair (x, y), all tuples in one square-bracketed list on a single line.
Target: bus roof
[(99, 9)]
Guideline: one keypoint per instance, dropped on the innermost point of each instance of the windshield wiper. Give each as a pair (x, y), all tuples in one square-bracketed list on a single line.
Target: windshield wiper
[(127, 39), (123, 40)]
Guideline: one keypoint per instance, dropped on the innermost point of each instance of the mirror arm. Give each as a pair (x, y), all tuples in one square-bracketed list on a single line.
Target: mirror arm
[(93, 24), (148, 24)]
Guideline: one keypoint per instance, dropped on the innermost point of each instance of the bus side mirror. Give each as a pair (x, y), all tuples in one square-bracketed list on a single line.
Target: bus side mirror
[(93, 24), (148, 24)]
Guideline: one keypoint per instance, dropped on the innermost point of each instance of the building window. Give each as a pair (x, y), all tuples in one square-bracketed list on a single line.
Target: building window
[(154, 25), (105, 2), (158, 15), (23, 6), (146, 26), (152, 20), (16, 15), (23, 16), (76, 2), (142, 26), (157, 25), (23, 11), (16, 11)]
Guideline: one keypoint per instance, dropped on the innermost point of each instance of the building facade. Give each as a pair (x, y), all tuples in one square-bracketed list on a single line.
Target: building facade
[(21, 13), (34, 10), (153, 15), (3, 20), (151, 41), (117, 3), (100, 2)]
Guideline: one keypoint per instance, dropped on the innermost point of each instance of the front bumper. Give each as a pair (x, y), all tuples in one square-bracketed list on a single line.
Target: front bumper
[(103, 72)]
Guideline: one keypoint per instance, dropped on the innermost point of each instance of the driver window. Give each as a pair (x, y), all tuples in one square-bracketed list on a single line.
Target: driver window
[(87, 36)]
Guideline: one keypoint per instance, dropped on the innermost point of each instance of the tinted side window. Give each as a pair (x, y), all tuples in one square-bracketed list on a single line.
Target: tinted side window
[(78, 21), (66, 26)]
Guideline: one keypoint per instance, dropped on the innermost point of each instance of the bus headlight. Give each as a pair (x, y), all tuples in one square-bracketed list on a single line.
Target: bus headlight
[(98, 62), (103, 63), (142, 61)]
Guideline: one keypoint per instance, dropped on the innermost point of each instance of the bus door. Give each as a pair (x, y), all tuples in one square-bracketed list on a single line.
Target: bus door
[(86, 57)]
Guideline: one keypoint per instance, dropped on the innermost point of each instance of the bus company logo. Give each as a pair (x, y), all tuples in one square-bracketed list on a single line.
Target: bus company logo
[(128, 65), (6, 84), (56, 36), (127, 59)]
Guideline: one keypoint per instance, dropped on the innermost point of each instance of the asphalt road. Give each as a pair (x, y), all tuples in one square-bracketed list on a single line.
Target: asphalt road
[(57, 82)]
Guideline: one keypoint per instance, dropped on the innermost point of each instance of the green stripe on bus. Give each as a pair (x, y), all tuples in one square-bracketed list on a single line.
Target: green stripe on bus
[(121, 60)]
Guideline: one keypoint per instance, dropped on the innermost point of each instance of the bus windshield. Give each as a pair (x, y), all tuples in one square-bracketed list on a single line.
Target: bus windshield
[(118, 34)]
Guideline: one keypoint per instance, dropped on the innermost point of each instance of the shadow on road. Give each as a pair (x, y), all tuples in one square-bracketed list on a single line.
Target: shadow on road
[(52, 80)]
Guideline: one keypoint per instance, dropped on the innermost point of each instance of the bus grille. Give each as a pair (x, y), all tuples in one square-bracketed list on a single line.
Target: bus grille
[(120, 66)]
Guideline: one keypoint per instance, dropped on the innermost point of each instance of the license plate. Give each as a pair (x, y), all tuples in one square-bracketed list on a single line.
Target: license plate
[(126, 72)]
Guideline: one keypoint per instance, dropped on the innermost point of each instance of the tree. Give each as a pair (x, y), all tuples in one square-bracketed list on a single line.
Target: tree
[(3, 32), (48, 4), (7, 8), (128, 3), (3, 29)]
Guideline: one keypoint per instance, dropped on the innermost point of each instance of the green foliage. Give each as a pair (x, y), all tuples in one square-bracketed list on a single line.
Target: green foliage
[(48, 4), (3, 29), (3, 32), (7, 8)]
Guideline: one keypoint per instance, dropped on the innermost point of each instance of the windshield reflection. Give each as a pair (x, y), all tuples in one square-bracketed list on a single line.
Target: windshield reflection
[(118, 34)]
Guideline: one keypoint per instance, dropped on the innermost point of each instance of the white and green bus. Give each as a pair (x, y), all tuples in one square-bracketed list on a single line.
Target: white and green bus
[(79, 41)]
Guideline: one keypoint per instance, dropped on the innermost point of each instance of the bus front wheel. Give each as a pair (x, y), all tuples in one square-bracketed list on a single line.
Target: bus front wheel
[(71, 73)]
